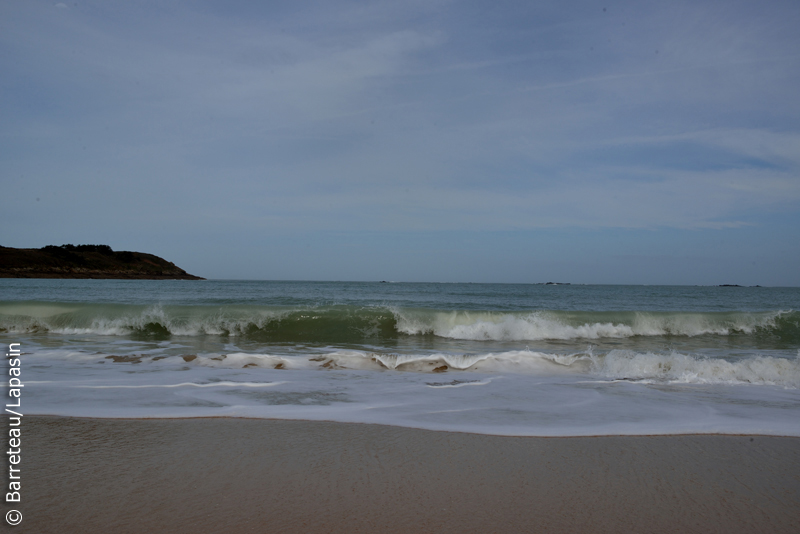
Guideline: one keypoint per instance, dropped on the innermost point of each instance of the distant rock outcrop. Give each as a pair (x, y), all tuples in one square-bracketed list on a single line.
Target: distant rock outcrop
[(87, 261)]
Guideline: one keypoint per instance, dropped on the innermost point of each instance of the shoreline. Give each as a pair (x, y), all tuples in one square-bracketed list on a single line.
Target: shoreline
[(219, 474), (414, 428)]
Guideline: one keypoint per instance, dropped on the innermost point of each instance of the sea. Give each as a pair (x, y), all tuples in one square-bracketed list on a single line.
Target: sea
[(502, 359)]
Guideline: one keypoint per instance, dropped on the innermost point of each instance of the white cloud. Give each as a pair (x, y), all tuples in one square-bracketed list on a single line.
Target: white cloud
[(413, 117)]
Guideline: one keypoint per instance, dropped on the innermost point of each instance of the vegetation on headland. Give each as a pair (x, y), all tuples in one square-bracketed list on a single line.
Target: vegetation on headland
[(87, 261)]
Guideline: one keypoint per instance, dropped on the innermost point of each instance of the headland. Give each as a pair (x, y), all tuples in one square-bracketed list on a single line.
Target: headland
[(87, 261)]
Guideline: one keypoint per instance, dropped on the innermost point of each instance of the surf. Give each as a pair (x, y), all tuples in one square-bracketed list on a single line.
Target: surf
[(357, 324)]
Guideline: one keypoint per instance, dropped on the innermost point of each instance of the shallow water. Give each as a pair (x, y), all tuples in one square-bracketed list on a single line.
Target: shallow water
[(541, 360)]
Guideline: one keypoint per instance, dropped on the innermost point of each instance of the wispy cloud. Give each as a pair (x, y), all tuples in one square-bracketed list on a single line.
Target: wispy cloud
[(411, 117)]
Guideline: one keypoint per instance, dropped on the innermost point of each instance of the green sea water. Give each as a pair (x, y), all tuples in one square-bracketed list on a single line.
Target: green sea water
[(275, 349)]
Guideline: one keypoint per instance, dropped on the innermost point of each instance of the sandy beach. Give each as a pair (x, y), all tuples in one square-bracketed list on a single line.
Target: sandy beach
[(246, 475)]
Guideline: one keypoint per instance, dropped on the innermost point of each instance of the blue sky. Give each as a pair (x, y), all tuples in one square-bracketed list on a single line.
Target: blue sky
[(589, 142)]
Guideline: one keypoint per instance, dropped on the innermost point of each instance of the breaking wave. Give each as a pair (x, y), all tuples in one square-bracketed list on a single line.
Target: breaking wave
[(616, 365), (343, 324), (676, 367)]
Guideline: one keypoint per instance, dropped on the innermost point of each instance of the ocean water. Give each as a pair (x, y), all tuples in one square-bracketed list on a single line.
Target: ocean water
[(527, 360)]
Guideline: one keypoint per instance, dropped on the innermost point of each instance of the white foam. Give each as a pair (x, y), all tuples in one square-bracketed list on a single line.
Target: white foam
[(483, 326), (111, 322), (628, 365), (684, 368), (192, 384), (506, 327), (524, 392), (423, 362), (463, 325), (239, 360), (521, 405), (459, 383)]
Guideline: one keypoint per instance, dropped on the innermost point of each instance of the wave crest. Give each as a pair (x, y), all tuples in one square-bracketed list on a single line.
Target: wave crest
[(544, 325), (627, 365), (351, 324)]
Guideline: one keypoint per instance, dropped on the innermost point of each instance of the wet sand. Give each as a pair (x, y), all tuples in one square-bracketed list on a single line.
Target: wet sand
[(242, 475)]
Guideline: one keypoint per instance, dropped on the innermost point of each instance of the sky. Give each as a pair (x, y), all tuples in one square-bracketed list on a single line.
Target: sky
[(446, 141)]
